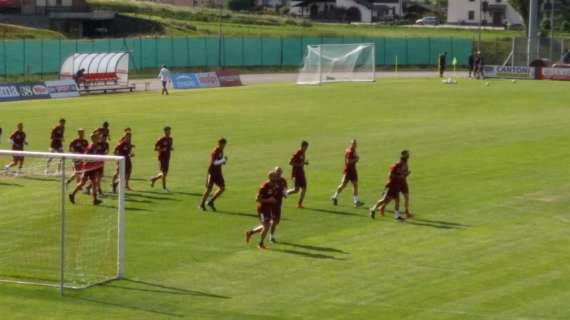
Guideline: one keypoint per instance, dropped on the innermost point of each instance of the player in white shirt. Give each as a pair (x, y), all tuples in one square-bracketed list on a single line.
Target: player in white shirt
[(164, 76)]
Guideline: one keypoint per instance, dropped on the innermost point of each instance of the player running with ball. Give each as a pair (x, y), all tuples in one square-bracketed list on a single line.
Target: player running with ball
[(265, 203), (397, 183), (350, 175), (215, 176)]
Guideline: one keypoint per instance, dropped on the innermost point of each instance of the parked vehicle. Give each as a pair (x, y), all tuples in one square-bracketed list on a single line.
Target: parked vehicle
[(428, 21)]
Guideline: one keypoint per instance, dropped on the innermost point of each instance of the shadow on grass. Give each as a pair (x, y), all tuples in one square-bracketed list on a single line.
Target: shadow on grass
[(232, 213), (436, 224), (306, 254), (9, 184), (160, 288), (123, 305), (145, 196), (311, 247), (341, 213)]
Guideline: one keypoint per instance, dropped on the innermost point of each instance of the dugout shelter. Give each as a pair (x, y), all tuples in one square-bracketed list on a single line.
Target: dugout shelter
[(103, 71)]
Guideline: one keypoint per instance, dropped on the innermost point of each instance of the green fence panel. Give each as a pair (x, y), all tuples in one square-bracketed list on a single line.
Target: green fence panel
[(3, 58), (15, 56), (416, 51), (198, 52), (179, 54), (396, 48), (213, 52), (233, 52), (51, 57), (438, 46), (292, 51), (380, 50), (271, 52), (252, 52), (461, 50)]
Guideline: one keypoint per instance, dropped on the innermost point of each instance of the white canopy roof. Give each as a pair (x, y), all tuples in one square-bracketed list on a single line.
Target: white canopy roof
[(117, 62)]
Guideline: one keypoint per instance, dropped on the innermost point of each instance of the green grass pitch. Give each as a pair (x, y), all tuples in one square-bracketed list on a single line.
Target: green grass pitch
[(490, 189)]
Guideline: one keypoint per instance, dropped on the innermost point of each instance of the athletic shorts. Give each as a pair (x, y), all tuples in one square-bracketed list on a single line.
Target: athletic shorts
[(215, 179), (263, 217), (56, 146), (91, 174), (17, 158), (276, 214), (300, 181), (164, 163), (351, 175)]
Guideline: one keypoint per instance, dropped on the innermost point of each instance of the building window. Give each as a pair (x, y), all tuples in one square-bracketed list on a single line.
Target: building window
[(471, 15)]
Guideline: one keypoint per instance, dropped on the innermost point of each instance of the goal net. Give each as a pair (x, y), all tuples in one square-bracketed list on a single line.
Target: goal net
[(47, 240), (338, 62)]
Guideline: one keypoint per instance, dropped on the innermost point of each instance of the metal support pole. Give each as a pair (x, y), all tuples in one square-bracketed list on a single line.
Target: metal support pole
[(121, 220), (62, 231), (532, 30)]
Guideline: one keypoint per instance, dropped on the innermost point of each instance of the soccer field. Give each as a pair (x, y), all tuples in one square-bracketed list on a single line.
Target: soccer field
[(490, 190)]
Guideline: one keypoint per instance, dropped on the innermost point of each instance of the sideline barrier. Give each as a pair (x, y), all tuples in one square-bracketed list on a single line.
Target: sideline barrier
[(206, 80), (62, 88), (556, 74), (508, 72), (23, 91)]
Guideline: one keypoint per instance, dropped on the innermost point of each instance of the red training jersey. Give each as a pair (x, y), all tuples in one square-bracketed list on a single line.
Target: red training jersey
[(78, 145), (124, 149), (298, 163), (350, 156), (216, 155), (57, 136), (163, 146), (18, 138), (266, 191), (398, 173), (280, 188)]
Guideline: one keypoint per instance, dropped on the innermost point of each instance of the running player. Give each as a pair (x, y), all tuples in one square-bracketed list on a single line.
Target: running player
[(298, 163), (280, 193), (350, 175), (91, 169), (215, 176), (265, 203), (78, 145), (397, 183), (17, 140), (56, 145), (124, 148), (164, 147), (104, 130)]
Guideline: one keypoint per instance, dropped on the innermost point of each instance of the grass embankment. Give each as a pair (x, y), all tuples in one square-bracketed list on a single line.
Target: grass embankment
[(9, 31)]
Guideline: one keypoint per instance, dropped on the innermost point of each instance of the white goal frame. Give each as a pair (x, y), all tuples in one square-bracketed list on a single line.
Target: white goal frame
[(63, 157), (322, 47)]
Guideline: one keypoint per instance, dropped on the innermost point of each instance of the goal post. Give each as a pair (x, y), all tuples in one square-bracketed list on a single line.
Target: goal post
[(338, 62), (47, 240)]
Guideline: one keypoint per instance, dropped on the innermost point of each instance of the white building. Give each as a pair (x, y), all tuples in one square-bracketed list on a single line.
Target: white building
[(349, 10), (489, 12)]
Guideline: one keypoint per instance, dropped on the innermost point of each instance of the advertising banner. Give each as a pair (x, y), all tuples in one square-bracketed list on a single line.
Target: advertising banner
[(9, 92), (62, 88), (23, 91), (508, 72), (208, 80), (185, 81), (228, 78), (556, 73)]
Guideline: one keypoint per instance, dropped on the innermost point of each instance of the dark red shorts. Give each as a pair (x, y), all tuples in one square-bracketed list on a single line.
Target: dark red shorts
[(15, 158), (264, 217), (56, 145), (91, 174), (300, 181), (215, 178), (164, 163), (128, 166), (351, 175), (276, 213)]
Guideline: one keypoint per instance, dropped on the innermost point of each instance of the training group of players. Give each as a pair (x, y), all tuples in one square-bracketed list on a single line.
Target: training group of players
[(88, 174)]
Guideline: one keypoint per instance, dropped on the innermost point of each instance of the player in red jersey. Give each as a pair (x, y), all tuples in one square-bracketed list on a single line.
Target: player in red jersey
[(124, 148), (91, 169), (397, 183), (350, 175), (78, 145), (265, 203), (215, 176), (280, 193), (104, 131), (164, 147), (17, 140), (298, 163), (56, 145)]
